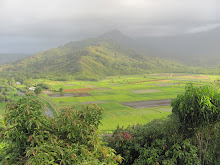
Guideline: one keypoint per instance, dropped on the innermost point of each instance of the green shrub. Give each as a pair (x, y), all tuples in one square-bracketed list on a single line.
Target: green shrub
[(198, 110), (70, 138), (44, 86), (157, 142)]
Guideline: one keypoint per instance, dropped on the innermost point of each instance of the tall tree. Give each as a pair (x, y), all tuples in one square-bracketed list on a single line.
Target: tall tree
[(38, 90), (198, 110)]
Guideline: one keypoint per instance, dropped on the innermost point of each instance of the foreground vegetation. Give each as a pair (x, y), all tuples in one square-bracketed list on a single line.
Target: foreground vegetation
[(189, 136), (8, 93), (70, 138)]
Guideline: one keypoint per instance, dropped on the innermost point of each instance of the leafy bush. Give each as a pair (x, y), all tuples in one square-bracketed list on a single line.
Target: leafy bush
[(44, 86), (70, 138), (197, 107), (154, 143), (15, 95), (38, 90), (198, 110)]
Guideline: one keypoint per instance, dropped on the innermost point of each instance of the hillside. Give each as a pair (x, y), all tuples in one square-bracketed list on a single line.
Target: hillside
[(190, 49), (90, 59)]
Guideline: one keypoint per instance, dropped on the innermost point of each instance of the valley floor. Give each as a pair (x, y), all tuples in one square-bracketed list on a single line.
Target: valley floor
[(126, 100)]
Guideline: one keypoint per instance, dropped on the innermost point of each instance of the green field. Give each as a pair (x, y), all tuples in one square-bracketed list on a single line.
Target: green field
[(112, 91)]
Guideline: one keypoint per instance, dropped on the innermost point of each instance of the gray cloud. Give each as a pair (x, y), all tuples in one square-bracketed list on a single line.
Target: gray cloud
[(53, 22), (204, 28)]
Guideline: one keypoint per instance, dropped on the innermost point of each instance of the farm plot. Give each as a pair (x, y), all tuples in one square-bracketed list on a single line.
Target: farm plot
[(147, 104), (70, 90), (82, 94), (93, 102), (62, 95), (146, 91), (90, 86), (70, 84), (102, 89), (131, 117)]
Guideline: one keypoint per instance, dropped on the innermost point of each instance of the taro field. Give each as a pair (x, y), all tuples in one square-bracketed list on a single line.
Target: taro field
[(126, 100)]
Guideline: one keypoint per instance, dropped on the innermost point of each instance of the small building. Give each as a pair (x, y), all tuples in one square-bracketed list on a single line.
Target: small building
[(32, 88)]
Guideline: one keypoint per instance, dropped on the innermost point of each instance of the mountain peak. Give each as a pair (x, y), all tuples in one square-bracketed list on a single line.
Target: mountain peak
[(113, 32), (114, 35)]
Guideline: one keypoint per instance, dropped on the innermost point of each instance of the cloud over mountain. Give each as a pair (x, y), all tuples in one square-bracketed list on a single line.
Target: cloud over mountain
[(49, 23)]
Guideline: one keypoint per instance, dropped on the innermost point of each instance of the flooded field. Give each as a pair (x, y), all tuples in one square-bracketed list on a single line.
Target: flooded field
[(147, 104)]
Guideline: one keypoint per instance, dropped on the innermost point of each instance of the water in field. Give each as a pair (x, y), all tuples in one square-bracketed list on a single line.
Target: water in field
[(48, 112)]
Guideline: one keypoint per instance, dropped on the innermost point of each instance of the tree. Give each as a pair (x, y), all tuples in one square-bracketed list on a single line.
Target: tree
[(11, 81), (38, 90), (44, 86), (198, 110), (71, 138), (61, 90)]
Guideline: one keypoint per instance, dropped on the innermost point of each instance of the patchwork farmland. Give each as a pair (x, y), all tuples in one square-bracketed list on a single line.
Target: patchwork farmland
[(126, 100)]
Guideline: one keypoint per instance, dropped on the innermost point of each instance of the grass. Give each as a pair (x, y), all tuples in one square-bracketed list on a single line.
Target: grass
[(121, 91), (129, 116)]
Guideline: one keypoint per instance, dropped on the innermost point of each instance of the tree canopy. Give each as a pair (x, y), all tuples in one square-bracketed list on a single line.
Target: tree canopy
[(70, 138)]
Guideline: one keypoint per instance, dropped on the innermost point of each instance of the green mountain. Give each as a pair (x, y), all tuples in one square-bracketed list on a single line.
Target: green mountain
[(90, 59)]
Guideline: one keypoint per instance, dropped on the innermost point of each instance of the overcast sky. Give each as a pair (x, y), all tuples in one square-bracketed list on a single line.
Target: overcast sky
[(36, 25)]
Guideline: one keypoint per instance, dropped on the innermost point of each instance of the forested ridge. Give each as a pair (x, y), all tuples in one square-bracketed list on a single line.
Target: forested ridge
[(90, 60)]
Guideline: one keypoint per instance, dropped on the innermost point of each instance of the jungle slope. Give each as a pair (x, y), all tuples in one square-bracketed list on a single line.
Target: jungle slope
[(90, 59)]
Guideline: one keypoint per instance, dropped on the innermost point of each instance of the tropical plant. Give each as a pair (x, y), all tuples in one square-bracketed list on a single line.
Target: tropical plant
[(157, 142), (71, 138), (198, 110), (61, 90)]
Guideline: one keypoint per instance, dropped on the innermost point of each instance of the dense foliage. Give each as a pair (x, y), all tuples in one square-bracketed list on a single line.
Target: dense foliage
[(43, 86), (38, 90), (189, 136), (7, 91), (157, 142), (197, 107), (70, 138), (198, 110)]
